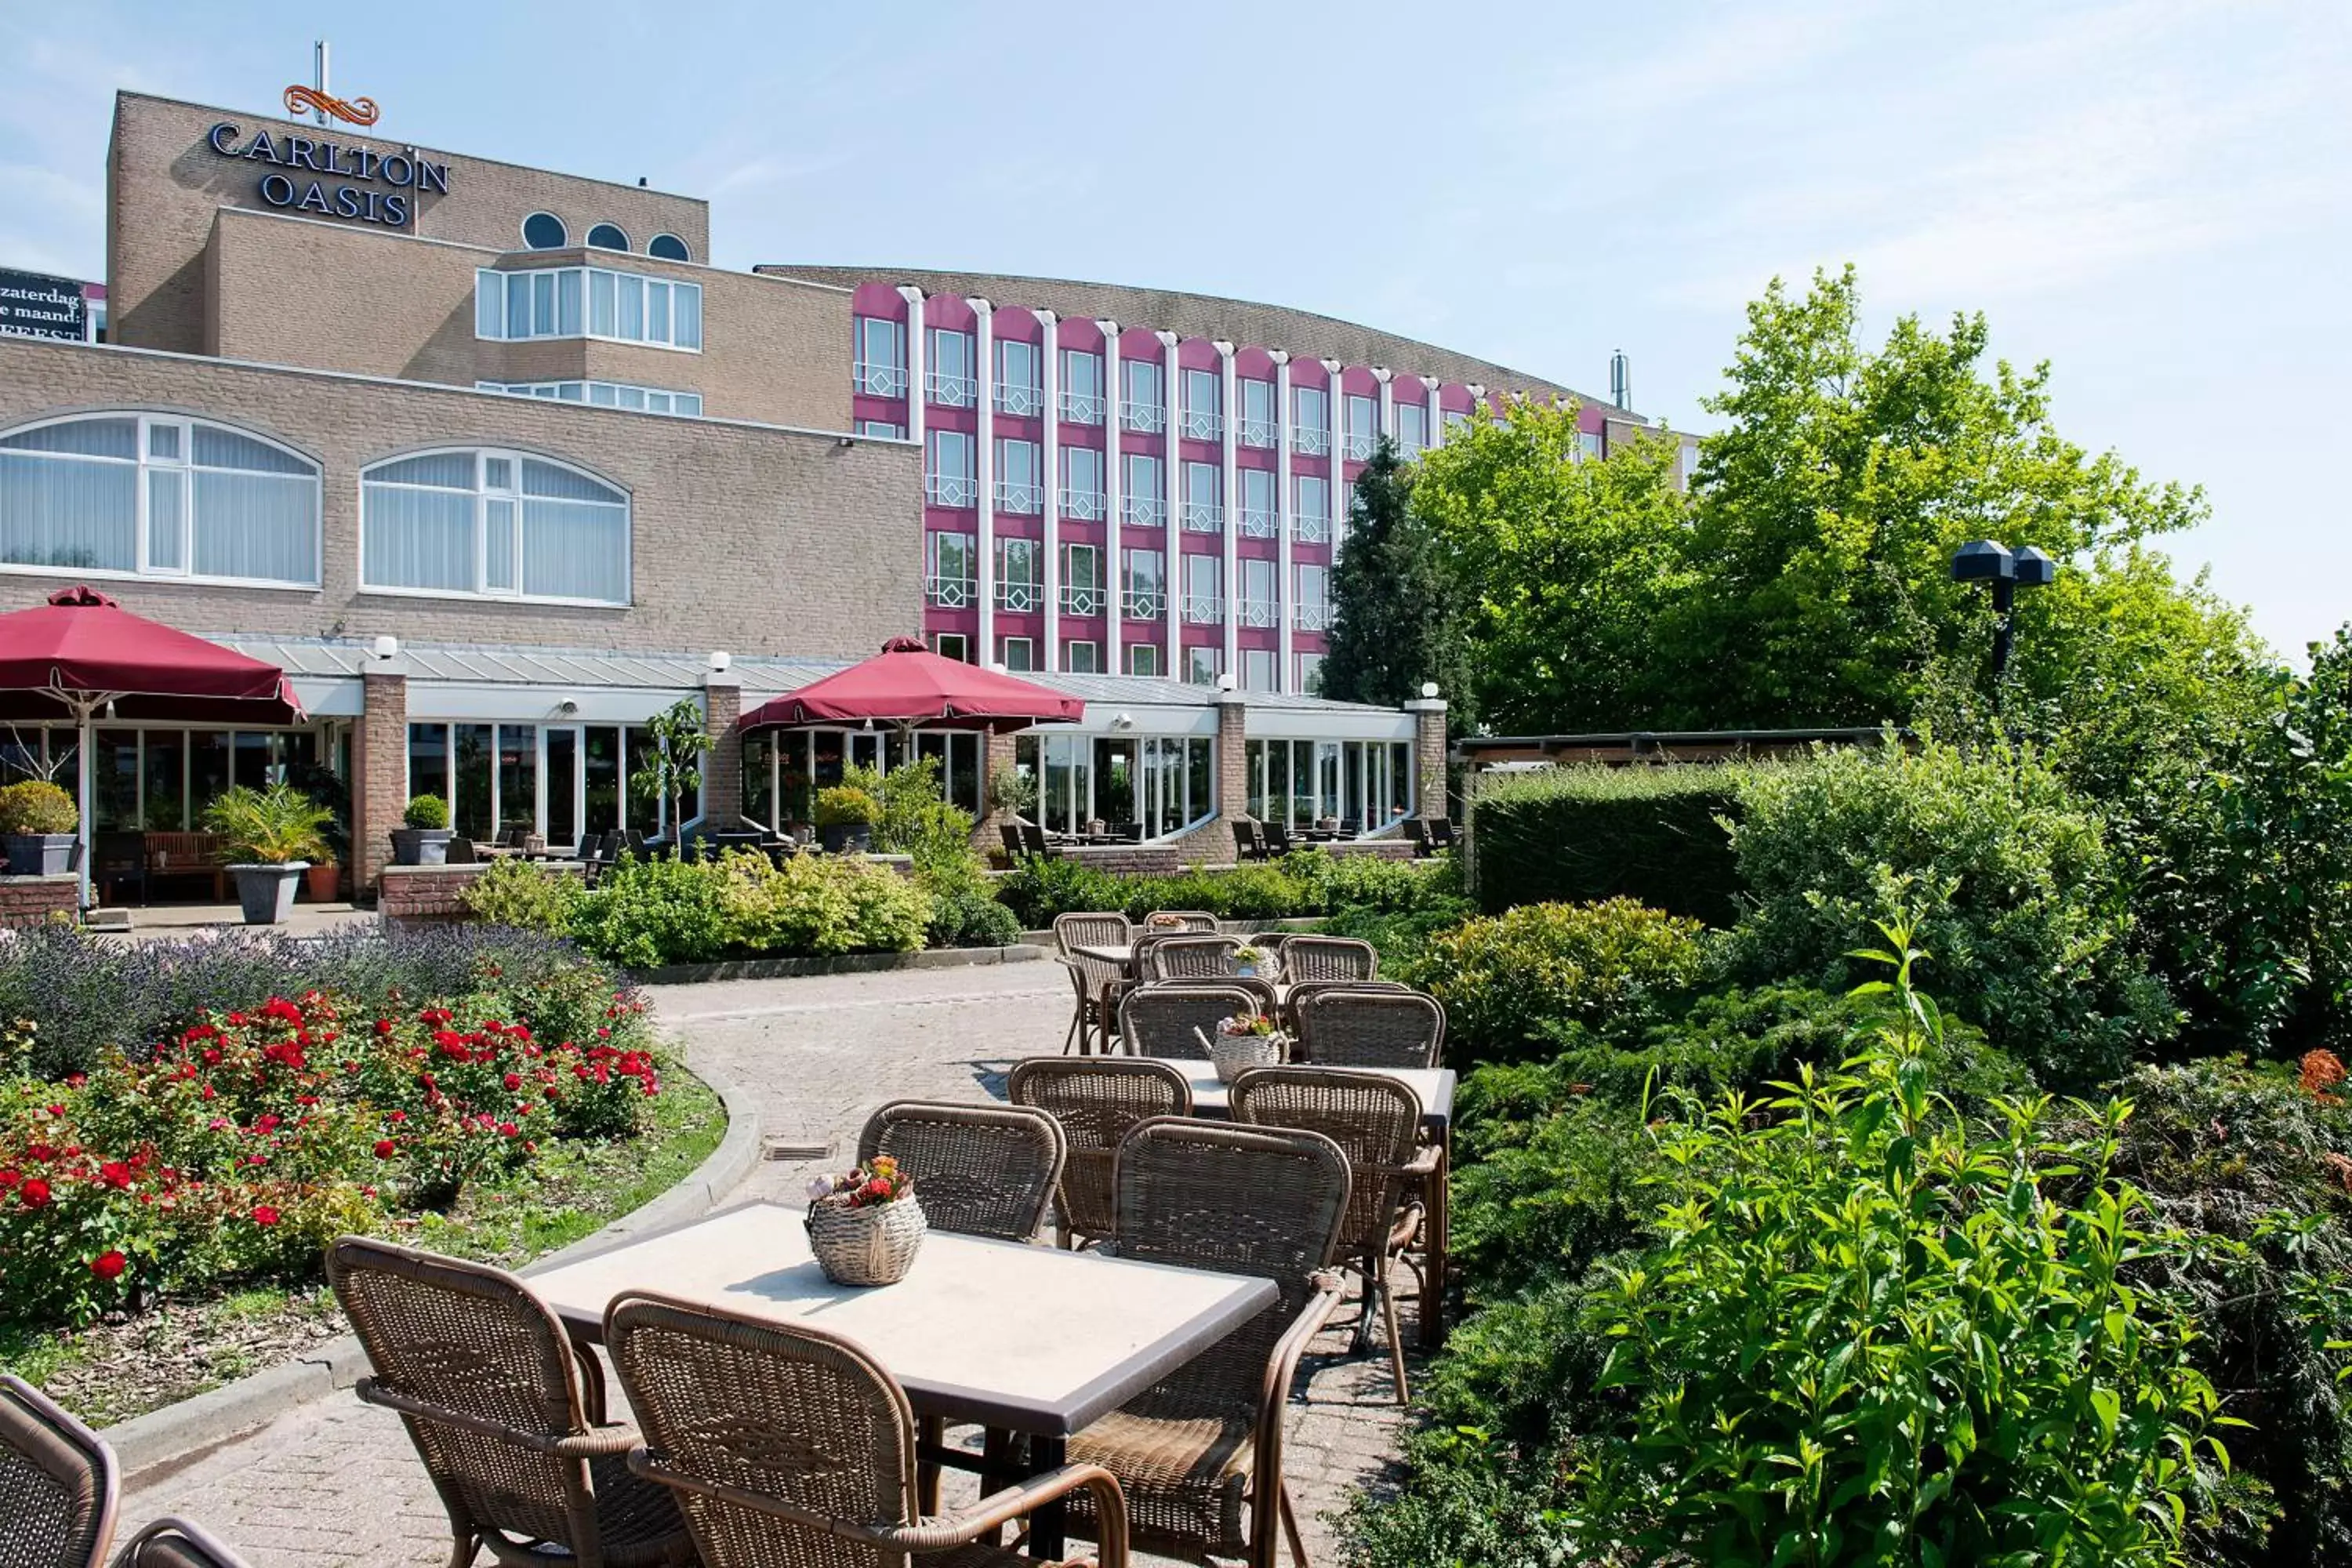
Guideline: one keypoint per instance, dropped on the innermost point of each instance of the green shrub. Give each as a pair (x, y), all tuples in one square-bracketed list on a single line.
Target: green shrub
[(271, 826), (428, 812), (1037, 889), (36, 805), (2026, 912), (1507, 979), (845, 805), (1305, 882), (647, 914), (1577, 834), (518, 892)]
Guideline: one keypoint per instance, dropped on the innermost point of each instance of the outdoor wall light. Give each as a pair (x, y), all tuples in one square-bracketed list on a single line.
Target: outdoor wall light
[(567, 705), (1122, 721), (386, 646), (1429, 689), (719, 660), (1225, 682)]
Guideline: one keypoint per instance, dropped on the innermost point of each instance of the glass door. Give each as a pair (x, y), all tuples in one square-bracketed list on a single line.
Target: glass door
[(563, 805)]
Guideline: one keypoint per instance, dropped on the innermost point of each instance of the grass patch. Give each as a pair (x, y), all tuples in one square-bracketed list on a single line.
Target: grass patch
[(125, 1366)]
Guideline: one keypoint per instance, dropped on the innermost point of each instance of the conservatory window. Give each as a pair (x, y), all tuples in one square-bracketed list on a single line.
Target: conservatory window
[(500, 523)]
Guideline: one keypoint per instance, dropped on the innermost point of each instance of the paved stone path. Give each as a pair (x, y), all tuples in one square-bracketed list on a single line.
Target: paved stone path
[(335, 1483)]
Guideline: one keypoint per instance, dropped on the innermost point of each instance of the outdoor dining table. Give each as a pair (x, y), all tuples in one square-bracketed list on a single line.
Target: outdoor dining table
[(1022, 1339), (1433, 1086)]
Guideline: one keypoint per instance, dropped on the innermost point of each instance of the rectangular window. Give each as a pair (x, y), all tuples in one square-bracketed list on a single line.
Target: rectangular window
[(1082, 657), (1258, 417), (1259, 520), (1203, 405), (1144, 588), (1016, 653), (1143, 658), (1143, 396), (1258, 666), (1411, 428), (1587, 445), (491, 522), (947, 470), (1201, 664), (1019, 584), (1310, 674), (948, 569), (1082, 386), (889, 429), (881, 363), (1205, 603), (1259, 608), (1204, 509), (1310, 420), (951, 380), (1310, 511), (1082, 483), (1363, 428), (1020, 479), (590, 301), (1457, 421), (1312, 610), (1144, 481), (1018, 389), (1082, 584), (952, 645)]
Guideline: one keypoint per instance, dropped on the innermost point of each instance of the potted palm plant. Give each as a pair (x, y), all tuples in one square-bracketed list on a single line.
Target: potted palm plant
[(38, 820), (844, 818), (270, 835), (423, 838)]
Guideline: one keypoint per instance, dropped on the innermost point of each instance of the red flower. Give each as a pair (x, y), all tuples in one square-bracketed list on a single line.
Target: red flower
[(514, 1080), (115, 1173), (507, 1130), (35, 1192), (383, 1025), (385, 1148), (109, 1265), (40, 1153), (264, 1216)]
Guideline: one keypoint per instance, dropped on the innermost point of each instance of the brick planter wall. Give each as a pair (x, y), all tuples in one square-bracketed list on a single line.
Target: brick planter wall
[(38, 900), (437, 892)]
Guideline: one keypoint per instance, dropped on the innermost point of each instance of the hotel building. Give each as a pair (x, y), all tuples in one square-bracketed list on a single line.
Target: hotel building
[(497, 465)]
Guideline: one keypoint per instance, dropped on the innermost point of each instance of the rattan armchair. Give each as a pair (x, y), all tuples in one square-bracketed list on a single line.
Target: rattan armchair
[(1347, 1026), (788, 1447), (1193, 1449), (58, 1484), (1160, 1020), (1295, 998), (505, 1414), (1097, 1103), (1189, 957), (1307, 957), (176, 1543), (979, 1170), (1376, 1122), (1097, 981)]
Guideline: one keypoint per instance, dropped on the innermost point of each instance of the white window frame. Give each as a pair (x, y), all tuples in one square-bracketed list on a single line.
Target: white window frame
[(187, 467), (1025, 594), (1083, 503), (1310, 438), (946, 388), (1082, 590), (957, 491), (1083, 407), (1146, 604), (886, 378), (1028, 646), (940, 590), (629, 396), (1260, 521), (1023, 395), (483, 496), (1204, 513), (1147, 416), (587, 277), (1142, 653), (1263, 431), (1204, 397), (1020, 498), (1091, 665)]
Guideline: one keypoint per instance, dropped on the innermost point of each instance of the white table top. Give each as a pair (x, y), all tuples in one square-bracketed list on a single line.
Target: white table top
[(1433, 1086), (1031, 1338)]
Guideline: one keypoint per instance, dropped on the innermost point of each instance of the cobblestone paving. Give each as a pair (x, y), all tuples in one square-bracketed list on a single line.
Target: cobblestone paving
[(335, 1483)]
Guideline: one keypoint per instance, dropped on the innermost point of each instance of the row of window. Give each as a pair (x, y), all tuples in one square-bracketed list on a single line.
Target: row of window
[(587, 303), (951, 576), (1083, 655), (604, 394), (1167, 783), (950, 381), (162, 496), (949, 480), (545, 231)]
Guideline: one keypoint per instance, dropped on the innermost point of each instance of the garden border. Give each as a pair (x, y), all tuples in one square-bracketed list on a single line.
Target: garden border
[(838, 964), (148, 1448)]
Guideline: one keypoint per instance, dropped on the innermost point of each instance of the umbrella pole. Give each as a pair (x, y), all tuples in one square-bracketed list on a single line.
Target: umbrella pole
[(86, 764)]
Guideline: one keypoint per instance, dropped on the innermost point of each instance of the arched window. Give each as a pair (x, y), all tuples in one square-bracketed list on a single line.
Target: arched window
[(157, 495), (669, 248), (544, 231), (504, 524), (608, 236)]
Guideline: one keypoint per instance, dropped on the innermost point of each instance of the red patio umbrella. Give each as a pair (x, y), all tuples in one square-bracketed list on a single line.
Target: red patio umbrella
[(86, 655), (906, 684)]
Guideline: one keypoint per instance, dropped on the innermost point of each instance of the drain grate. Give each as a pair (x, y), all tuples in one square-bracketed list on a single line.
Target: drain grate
[(790, 1151)]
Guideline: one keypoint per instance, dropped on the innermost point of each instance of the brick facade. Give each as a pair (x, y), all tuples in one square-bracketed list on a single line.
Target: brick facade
[(379, 771), (38, 900), (1428, 756), (1232, 775), (439, 892), (723, 765)]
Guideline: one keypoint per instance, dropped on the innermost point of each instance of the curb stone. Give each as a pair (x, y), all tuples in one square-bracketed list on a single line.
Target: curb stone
[(148, 1448), (843, 964)]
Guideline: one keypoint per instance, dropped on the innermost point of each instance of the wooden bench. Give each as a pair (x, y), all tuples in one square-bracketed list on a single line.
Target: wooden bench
[(189, 855)]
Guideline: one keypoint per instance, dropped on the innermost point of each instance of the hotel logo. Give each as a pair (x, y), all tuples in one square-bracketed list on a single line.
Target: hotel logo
[(301, 101)]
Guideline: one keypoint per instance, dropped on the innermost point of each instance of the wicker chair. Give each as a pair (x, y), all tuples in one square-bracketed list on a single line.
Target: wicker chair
[(176, 1543), (1296, 997), (506, 1415), (1376, 1121), (1198, 922), (790, 1447), (1186, 958), (1206, 1439), (979, 1170), (1097, 981), (1348, 1026), (1097, 1104), (1159, 1020), (1329, 958), (58, 1484)]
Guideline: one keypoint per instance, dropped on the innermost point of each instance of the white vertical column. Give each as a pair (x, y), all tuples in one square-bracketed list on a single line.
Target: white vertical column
[(1286, 592), (1335, 489), (1049, 374), (915, 411), (1436, 416), (1171, 476), (1230, 486), (1382, 374), (984, 462), (1114, 484)]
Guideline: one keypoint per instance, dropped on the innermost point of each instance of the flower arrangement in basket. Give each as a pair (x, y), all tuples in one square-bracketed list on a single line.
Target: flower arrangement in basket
[(1244, 1041), (1160, 920), (1265, 963), (864, 1227)]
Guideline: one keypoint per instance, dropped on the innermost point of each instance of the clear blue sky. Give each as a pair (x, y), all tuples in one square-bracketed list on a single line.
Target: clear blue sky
[(2151, 193)]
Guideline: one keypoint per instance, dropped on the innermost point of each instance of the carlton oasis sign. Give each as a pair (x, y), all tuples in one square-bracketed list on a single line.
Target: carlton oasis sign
[(332, 178)]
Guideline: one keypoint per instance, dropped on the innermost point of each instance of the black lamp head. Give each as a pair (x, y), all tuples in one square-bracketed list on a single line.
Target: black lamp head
[(1982, 560), (2034, 568)]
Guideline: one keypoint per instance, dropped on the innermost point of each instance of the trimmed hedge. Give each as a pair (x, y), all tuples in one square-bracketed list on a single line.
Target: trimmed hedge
[(1581, 835)]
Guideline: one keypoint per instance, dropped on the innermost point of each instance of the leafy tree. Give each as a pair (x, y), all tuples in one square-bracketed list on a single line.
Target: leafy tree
[(673, 767), (1395, 625)]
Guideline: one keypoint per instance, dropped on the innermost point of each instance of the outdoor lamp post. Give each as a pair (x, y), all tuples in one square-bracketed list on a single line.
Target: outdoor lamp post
[(1984, 560)]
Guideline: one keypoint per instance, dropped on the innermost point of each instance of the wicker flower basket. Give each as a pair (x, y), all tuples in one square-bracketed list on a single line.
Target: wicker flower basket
[(871, 1246), (1234, 1055)]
